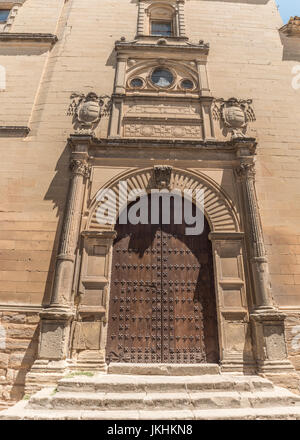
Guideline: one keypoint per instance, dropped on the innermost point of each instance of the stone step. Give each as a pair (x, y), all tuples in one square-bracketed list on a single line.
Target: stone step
[(20, 412), (156, 397), (176, 400), (139, 383), (164, 369)]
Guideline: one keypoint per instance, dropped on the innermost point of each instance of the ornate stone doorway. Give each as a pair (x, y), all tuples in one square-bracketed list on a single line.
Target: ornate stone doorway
[(162, 302)]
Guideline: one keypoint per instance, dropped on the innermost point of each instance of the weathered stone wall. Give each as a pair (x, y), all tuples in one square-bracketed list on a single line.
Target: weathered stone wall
[(248, 59), (18, 348), (292, 326)]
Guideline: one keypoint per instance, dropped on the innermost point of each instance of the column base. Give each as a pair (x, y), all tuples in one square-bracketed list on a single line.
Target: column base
[(45, 373), (90, 361), (271, 351), (281, 373), (238, 366)]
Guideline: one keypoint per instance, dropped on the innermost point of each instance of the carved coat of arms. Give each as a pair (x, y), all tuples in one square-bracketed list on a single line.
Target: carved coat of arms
[(235, 115), (87, 110)]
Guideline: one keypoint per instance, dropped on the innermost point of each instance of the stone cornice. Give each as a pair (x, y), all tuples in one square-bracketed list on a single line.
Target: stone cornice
[(28, 37), (162, 46), (14, 131), (292, 29), (232, 145)]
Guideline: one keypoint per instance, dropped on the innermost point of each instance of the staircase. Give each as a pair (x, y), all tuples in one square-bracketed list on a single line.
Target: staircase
[(159, 392)]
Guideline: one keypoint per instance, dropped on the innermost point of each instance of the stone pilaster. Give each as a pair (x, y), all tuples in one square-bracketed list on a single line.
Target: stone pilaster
[(141, 19), (267, 321), (181, 18), (56, 319)]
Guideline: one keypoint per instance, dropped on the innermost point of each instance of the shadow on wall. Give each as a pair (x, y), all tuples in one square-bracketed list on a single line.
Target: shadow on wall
[(112, 59), (18, 386), (57, 193)]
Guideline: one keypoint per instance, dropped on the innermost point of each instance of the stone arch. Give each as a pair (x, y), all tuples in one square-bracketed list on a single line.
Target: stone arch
[(219, 209)]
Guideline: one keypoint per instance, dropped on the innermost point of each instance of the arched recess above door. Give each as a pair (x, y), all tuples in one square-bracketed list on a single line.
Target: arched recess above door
[(219, 209)]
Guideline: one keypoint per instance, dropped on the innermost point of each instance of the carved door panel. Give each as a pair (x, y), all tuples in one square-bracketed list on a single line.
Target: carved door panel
[(162, 303)]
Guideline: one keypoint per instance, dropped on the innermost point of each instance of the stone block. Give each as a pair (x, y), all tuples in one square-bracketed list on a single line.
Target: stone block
[(4, 360), (15, 331), (14, 318)]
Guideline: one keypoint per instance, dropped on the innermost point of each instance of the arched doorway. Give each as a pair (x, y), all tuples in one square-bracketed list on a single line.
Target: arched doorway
[(162, 304)]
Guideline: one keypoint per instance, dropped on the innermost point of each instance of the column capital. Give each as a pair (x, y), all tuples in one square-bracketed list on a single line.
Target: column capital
[(80, 167), (245, 170)]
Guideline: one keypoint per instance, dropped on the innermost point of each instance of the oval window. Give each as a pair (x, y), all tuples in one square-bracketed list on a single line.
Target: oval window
[(187, 84), (162, 77), (137, 83)]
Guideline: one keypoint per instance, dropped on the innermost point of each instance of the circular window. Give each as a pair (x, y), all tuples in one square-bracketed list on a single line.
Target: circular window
[(187, 84), (137, 83), (162, 78)]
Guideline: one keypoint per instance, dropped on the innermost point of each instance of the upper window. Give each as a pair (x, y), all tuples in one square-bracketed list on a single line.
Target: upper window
[(161, 28), (162, 20), (4, 14)]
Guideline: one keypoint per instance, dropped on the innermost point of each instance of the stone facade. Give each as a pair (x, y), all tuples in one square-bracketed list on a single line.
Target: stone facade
[(74, 122)]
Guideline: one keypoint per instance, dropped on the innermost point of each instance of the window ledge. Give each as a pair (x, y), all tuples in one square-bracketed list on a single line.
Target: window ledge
[(14, 131), (28, 37), (162, 44), (158, 37)]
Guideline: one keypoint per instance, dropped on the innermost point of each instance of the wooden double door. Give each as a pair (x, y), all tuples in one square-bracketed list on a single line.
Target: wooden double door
[(162, 302)]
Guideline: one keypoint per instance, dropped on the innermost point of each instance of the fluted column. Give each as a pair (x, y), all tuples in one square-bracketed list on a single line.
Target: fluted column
[(62, 288), (246, 174)]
